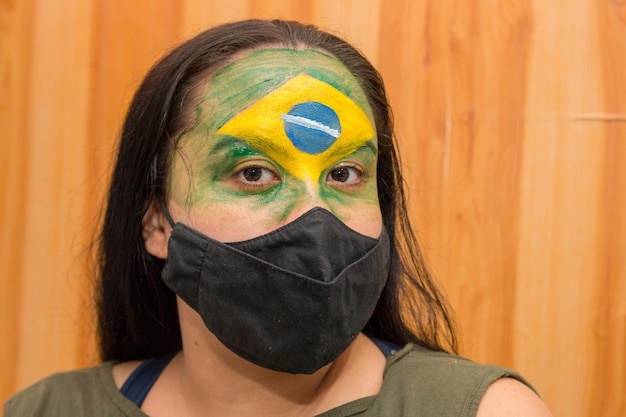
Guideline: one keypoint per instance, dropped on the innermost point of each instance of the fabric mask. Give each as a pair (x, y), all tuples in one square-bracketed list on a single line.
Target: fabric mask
[(291, 300)]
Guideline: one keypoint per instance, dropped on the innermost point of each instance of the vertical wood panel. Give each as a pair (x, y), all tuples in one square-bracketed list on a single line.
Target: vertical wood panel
[(128, 39), (44, 117), (15, 62), (50, 316), (489, 49), (512, 123), (609, 361), (462, 79), (560, 210)]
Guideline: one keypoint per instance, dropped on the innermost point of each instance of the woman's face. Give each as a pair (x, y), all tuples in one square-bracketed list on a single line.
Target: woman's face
[(277, 132)]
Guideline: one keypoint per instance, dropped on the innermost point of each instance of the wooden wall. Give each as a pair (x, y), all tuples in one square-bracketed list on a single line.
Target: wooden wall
[(512, 120)]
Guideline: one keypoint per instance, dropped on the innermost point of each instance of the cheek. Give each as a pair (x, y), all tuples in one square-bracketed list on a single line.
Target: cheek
[(223, 222), (363, 218), (369, 224)]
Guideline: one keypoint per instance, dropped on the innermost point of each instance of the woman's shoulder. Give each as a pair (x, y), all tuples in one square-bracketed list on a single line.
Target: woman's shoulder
[(442, 365), (437, 382), (89, 391)]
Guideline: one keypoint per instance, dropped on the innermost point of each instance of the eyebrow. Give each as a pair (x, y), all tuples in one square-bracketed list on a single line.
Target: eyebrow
[(226, 142), (349, 148)]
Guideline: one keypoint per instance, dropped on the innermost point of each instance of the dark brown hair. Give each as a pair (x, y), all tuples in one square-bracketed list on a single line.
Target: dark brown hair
[(137, 315)]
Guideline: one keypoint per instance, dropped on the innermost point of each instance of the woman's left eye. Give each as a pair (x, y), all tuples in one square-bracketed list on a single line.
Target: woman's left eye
[(345, 175)]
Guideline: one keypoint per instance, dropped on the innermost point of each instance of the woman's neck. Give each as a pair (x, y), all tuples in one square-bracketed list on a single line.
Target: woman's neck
[(206, 378)]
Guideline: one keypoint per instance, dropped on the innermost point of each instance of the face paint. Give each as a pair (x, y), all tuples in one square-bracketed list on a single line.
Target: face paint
[(294, 115), (281, 162), (305, 125)]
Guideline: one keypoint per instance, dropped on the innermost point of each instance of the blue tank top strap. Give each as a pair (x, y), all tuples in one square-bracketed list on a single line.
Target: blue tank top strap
[(387, 348), (141, 380)]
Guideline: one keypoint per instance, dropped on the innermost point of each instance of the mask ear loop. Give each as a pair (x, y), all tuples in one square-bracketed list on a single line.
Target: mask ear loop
[(166, 213)]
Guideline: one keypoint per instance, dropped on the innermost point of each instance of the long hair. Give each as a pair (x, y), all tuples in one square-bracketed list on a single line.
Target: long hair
[(137, 313)]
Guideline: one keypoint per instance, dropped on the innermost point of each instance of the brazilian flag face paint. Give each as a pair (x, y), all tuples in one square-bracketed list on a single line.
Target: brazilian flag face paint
[(305, 125), (297, 121)]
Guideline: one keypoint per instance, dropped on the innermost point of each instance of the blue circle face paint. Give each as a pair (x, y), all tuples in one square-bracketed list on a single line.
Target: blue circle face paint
[(311, 126)]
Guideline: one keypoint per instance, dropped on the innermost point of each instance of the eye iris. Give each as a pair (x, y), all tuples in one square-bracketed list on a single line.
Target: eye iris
[(252, 174), (340, 174)]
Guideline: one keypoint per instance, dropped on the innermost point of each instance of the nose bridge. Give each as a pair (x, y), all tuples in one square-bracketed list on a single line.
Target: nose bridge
[(311, 197)]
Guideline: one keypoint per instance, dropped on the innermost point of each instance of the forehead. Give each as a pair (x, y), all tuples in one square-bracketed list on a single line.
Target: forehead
[(247, 80), (303, 108)]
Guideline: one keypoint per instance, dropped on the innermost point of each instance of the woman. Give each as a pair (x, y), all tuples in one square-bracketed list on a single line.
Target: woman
[(256, 257)]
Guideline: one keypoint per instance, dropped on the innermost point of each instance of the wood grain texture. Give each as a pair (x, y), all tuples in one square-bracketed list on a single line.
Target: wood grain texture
[(15, 46), (512, 123), (46, 132)]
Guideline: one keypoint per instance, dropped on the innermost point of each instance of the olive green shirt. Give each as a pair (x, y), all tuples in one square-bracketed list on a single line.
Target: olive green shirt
[(417, 382)]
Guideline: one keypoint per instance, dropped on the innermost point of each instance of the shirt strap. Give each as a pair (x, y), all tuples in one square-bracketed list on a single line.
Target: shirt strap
[(387, 348), (141, 380)]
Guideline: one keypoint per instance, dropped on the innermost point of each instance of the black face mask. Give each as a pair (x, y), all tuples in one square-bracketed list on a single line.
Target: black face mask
[(291, 300)]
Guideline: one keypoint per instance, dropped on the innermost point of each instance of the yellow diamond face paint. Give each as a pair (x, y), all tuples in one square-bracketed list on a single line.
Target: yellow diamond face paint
[(304, 125)]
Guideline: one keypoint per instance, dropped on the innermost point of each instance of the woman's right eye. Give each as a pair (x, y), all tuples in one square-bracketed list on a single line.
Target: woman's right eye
[(256, 178), (255, 174)]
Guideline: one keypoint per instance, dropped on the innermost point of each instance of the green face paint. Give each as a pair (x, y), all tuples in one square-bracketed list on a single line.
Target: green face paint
[(297, 118)]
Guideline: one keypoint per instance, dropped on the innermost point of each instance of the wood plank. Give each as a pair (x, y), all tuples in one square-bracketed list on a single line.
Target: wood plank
[(15, 62)]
